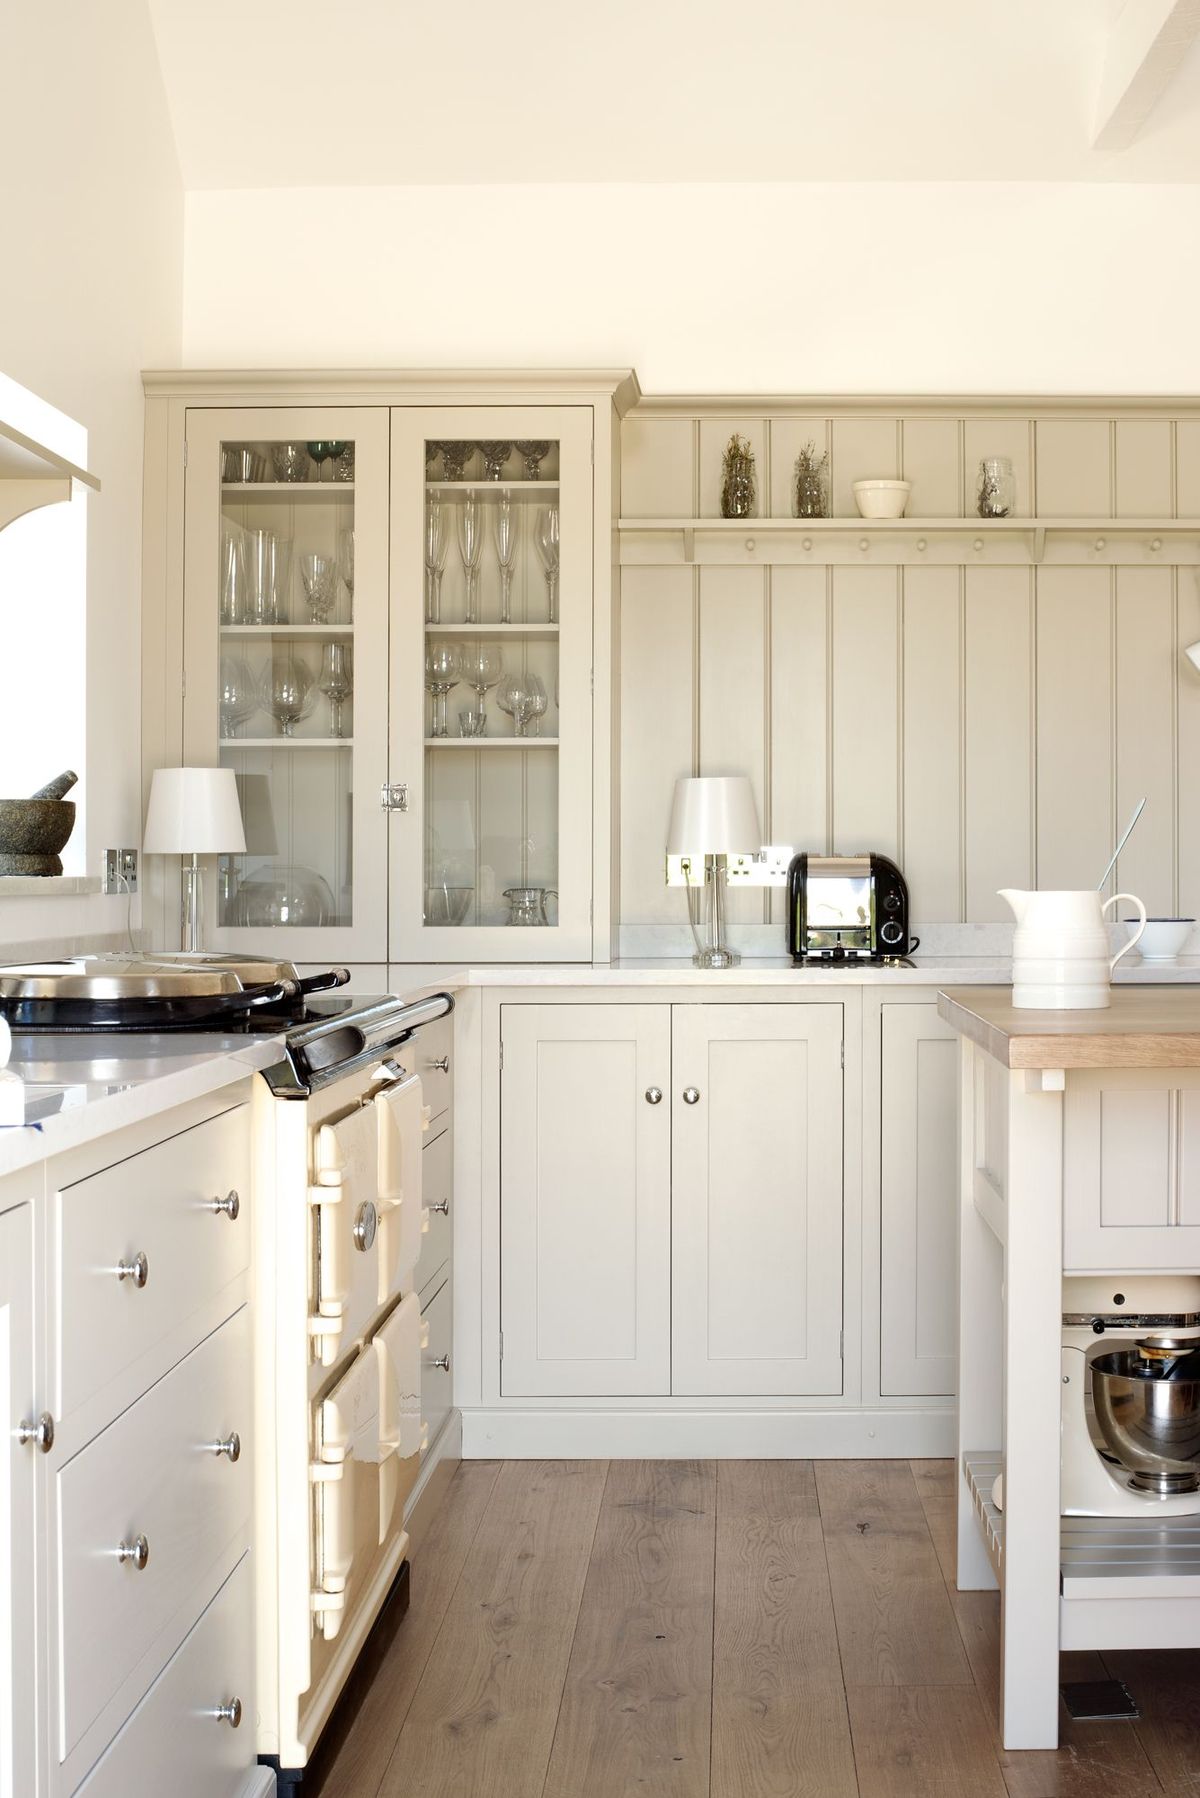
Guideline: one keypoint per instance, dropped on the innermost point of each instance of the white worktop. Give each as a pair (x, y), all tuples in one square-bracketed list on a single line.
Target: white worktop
[(966, 970)]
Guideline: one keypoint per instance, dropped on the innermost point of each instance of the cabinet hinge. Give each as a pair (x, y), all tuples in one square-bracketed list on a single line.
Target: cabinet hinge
[(185, 450), (501, 1057), (183, 684), (841, 1345), (502, 1345), (591, 451), (842, 1051)]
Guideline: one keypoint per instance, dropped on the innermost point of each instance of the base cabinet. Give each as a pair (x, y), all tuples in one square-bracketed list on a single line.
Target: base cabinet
[(18, 1691)]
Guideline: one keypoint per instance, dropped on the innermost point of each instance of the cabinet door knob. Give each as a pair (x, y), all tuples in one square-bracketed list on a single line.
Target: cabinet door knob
[(441, 1362), (439, 1064), (229, 1206), (654, 1095), (230, 1713), (137, 1270), (442, 1207), (136, 1553), (691, 1095), (231, 1447), (41, 1433), (366, 1223)]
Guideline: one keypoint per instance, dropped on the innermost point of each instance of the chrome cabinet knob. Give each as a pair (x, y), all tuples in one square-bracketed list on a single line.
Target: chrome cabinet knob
[(691, 1095), (229, 1206), (230, 1713), (137, 1270), (41, 1433), (231, 1447), (442, 1207), (135, 1553), (366, 1223), (654, 1095), (441, 1362), (439, 1064)]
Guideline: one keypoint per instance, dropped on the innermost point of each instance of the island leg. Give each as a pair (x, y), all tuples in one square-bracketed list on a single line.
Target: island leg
[(980, 1273)]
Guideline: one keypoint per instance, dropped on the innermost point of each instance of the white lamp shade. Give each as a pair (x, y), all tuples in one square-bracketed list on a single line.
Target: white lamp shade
[(714, 814), (194, 811)]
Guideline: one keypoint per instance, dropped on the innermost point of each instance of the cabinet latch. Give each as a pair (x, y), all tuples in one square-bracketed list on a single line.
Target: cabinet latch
[(393, 797)]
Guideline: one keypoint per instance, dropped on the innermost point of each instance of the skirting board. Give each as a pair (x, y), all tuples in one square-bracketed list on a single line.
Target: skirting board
[(514, 1435)]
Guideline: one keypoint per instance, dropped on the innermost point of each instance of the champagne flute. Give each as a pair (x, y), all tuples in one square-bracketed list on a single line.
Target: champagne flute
[(505, 529), (288, 692), (470, 547), (482, 667), (545, 536), (319, 576), (239, 695), (533, 452), (435, 558), (346, 565), (334, 681), (442, 672)]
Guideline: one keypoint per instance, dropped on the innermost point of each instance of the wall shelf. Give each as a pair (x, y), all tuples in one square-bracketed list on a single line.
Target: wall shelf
[(491, 742), (492, 630), (287, 742), (287, 630), (992, 541), (288, 492), (32, 475)]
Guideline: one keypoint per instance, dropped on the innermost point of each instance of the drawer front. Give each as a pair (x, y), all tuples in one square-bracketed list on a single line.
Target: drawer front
[(437, 1383), (157, 1205), (1131, 1171), (434, 1045), (175, 1741), (152, 1475), (437, 1182)]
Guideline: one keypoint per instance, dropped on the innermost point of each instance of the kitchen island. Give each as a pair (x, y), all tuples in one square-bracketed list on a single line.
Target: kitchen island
[(1073, 1140)]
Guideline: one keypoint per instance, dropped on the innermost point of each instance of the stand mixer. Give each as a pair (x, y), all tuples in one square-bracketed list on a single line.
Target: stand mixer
[(1131, 1396)]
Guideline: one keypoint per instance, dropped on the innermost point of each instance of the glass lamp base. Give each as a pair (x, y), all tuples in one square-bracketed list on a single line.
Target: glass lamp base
[(716, 958)]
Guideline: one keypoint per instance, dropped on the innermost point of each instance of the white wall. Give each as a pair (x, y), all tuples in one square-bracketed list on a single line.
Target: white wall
[(886, 287), (92, 207)]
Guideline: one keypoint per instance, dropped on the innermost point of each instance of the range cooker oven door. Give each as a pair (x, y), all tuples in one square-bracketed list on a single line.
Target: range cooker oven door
[(367, 1213)]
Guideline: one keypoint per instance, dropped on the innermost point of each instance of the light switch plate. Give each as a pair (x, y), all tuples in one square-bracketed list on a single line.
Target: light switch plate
[(120, 870)]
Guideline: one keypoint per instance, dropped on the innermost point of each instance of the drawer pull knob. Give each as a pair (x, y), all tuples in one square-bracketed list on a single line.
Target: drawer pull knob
[(441, 1362), (231, 1447), (442, 1207), (366, 1223), (440, 1064), (230, 1713), (41, 1433), (137, 1270), (691, 1095), (228, 1207), (135, 1553), (654, 1095)]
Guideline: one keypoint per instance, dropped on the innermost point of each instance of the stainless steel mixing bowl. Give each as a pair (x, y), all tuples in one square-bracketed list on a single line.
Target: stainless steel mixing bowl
[(1148, 1411)]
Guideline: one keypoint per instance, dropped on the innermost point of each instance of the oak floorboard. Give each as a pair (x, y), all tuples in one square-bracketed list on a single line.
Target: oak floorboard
[(922, 1742), (357, 1768), (482, 1722), (636, 1708), (1166, 1685), (780, 1728), (935, 1483), (895, 1623)]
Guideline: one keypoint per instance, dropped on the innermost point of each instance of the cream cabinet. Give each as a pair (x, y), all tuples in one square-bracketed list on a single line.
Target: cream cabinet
[(19, 1420), (1131, 1171)]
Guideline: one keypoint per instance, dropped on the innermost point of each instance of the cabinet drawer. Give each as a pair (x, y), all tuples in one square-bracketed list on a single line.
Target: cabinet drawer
[(437, 1383), (437, 1181), (174, 1742), (159, 1205), (1131, 1171), (152, 1475), (433, 1046)]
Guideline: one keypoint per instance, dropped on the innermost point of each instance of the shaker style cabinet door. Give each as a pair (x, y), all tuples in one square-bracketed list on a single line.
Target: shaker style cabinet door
[(757, 1199), (918, 1203), (585, 1167), (18, 1689)]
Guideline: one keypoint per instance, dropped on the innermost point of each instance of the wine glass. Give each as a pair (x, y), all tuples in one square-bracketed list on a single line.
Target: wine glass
[(470, 547), (319, 577), (233, 577), (456, 453), (335, 682), (536, 703), (239, 695), (512, 696), (495, 455), (442, 672), (346, 565), (505, 531), (326, 449), (481, 667), (534, 451), (435, 558), (288, 692), (545, 536)]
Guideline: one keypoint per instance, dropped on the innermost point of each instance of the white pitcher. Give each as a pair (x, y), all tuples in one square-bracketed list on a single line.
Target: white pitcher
[(1061, 958)]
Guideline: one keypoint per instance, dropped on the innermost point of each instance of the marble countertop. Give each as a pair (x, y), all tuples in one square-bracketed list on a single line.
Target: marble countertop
[(934, 971)]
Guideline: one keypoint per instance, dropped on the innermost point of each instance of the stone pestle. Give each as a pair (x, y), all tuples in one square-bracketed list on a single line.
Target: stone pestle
[(58, 787)]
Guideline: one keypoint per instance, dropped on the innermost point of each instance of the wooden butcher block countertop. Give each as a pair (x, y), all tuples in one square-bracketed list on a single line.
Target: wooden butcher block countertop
[(1144, 1027)]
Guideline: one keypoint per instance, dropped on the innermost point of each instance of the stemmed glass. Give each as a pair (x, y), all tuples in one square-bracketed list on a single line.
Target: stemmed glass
[(435, 558), (442, 672), (545, 536), (335, 682), (470, 547), (481, 667), (534, 451), (319, 577), (288, 692), (536, 703), (456, 453), (512, 697), (326, 449), (233, 577), (239, 695), (495, 455), (504, 529), (346, 565)]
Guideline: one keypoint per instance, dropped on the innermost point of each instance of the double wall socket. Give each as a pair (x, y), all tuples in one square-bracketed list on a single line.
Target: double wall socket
[(120, 870)]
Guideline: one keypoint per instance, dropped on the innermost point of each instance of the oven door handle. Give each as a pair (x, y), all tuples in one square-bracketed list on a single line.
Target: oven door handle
[(321, 983)]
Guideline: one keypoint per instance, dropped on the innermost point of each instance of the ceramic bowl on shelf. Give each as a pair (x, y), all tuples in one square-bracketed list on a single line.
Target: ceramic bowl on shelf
[(882, 499), (1163, 938)]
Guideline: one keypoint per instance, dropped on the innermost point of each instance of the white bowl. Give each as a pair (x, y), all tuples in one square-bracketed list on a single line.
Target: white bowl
[(882, 499), (1163, 938)]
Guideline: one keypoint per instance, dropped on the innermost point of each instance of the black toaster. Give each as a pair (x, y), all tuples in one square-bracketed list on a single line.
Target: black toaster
[(847, 908)]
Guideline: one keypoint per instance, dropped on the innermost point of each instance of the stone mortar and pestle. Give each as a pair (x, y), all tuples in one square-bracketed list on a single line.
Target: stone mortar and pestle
[(34, 830)]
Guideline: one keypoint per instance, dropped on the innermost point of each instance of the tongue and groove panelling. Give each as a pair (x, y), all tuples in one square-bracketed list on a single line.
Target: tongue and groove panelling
[(989, 725)]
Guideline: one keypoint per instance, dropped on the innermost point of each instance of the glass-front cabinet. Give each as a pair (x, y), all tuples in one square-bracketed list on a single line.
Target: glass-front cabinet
[(491, 689), (285, 670)]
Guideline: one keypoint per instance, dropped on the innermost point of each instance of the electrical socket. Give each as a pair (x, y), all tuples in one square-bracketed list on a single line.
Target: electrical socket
[(120, 870)]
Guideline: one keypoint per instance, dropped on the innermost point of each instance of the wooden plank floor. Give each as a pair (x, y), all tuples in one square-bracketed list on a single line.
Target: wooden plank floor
[(734, 1629)]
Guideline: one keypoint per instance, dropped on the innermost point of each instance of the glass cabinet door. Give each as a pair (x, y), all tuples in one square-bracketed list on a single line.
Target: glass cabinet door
[(286, 671), (492, 554)]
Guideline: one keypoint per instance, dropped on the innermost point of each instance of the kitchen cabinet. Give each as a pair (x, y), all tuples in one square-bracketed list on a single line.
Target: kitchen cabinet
[(918, 1202), (1131, 1171), (18, 1539)]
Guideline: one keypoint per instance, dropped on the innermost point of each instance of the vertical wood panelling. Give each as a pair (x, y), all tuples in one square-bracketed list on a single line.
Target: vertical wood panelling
[(932, 774), (1074, 726), (1074, 468), (657, 476), (1187, 468), (998, 714), (1144, 485), (714, 436), (733, 691), (1145, 665), (799, 812), (1188, 702), (788, 437), (656, 731), (864, 449), (865, 720), (1011, 437), (930, 460)]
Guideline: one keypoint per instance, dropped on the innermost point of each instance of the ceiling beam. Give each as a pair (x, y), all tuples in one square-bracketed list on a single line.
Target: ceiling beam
[(1148, 41)]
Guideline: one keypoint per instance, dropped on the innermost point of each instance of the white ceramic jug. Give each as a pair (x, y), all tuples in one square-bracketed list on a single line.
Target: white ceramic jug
[(1061, 959)]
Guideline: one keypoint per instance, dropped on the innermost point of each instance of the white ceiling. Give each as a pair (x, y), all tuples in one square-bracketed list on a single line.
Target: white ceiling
[(299, 93)]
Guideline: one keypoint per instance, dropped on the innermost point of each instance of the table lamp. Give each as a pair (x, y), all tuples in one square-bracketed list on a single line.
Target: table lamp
[(713, 816), (193, 812)]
